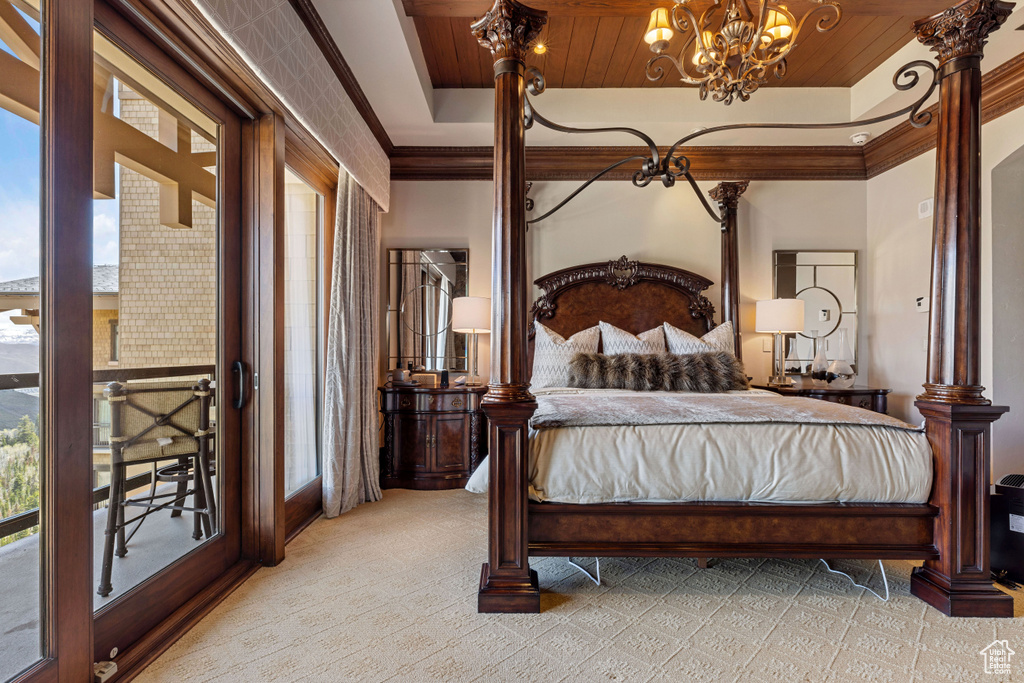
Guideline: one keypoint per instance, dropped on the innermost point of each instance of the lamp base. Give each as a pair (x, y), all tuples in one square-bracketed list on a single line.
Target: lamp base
[(782, 381)]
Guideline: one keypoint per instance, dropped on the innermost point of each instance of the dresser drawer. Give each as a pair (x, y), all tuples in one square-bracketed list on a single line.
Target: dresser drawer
[(435, 402)]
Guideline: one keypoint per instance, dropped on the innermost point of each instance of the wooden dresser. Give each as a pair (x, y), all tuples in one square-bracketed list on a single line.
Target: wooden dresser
[(433, 438), (869, 398)]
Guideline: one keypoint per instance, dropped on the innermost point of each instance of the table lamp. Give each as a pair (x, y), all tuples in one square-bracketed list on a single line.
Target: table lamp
[(779, 317), (472, 315)]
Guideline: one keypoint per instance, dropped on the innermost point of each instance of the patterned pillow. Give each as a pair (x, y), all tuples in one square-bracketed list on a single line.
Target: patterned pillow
[(718, 339), (552, 353), (618, 341)]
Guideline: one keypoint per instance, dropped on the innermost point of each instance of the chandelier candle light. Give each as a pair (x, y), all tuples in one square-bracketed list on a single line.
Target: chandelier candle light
[(735, 59), (779, 317), (472, 315)]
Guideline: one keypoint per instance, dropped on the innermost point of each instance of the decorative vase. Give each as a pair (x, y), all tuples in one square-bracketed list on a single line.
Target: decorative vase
[(840, 371), (792, 361), (819, 366)]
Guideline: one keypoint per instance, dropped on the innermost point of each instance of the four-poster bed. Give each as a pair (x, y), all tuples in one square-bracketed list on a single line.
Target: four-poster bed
[(949, 532)]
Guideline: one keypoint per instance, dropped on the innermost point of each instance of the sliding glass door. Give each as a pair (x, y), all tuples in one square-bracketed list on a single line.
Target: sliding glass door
[(165, 337), (303, 366), (310, 189), (21, 457)]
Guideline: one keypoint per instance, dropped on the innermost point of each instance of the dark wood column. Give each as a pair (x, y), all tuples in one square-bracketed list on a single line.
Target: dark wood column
[(728, 197), (507, 584), (958, 418)]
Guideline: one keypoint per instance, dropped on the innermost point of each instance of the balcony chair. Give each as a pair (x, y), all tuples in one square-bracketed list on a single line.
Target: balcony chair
[(153, 422)]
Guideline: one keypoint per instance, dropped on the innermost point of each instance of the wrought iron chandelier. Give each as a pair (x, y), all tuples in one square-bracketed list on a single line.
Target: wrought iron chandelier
[(735, 59)]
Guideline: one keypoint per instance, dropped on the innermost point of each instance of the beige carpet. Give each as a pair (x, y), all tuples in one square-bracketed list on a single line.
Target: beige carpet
[(388, 592)]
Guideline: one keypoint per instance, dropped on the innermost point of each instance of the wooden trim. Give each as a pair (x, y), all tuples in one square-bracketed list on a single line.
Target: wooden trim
[(581, 163), (642, 8), (66, 364), (132, 661), (323, 39), (1002, 91), (303, 508), (310, 160), (268, 337)]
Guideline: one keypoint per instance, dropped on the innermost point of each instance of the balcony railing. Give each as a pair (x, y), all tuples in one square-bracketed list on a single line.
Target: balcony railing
[(30, 518)]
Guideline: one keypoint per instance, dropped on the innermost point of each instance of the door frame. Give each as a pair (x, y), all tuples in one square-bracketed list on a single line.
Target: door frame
[(145, 606), (186, 40)]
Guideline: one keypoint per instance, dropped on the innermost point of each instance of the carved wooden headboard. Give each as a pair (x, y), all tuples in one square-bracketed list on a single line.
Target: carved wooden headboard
[(631, 295)]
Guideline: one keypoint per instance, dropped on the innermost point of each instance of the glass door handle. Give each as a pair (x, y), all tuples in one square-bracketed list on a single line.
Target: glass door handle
[(240, 375)]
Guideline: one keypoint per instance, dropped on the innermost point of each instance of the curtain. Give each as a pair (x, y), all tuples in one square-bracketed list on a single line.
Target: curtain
[(351, 438)]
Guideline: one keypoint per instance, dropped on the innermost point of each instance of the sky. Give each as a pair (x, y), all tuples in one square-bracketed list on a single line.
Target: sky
[(20, 208)]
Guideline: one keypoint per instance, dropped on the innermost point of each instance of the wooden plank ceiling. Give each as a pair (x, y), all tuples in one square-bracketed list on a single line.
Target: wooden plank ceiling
[(599, 43)]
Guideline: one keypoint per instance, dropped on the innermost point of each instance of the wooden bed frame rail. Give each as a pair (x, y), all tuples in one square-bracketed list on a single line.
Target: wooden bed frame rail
[(950, 533)]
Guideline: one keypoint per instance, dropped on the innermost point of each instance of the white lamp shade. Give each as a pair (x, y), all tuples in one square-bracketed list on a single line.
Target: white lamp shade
[(472, 314), (779, 316)]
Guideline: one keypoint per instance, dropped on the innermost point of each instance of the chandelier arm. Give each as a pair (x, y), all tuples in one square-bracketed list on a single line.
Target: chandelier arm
[(698, 27), (755, 41), (657, 73), (824, 23), (917, 118), (587, 184)]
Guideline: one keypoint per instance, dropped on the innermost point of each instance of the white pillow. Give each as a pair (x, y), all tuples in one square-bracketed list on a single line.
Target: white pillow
[(552, 353), (618, 341), (718, 339)]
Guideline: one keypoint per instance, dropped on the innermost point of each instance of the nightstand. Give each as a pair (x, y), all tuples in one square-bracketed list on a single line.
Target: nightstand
[(869, 398), (433, 438)]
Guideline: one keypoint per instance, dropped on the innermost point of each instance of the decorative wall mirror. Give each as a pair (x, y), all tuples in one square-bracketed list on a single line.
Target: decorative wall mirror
[(421, 286), (827, 283)]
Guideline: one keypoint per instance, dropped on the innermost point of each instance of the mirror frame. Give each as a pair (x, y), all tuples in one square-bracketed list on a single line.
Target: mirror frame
[(390, 359), (845, 309)]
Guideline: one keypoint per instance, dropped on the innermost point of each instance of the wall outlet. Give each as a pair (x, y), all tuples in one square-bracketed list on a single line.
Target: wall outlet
[(824, 315), (921, 304), (926, 208)]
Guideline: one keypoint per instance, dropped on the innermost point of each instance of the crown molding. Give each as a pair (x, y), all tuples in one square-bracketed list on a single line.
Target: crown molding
[(323, 39), (581, 163)]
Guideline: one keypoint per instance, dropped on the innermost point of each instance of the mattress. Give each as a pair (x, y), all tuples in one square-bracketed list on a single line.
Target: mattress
[(861, 458)]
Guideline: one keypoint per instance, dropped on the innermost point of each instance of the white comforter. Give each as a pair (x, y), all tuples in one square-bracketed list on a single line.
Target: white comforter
[(766, 461)]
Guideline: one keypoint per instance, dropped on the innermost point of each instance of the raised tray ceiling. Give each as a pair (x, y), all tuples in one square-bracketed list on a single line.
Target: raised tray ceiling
[(599, 43)]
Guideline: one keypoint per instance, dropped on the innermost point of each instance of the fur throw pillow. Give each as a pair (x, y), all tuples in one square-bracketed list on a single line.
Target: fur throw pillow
[(708, 373)]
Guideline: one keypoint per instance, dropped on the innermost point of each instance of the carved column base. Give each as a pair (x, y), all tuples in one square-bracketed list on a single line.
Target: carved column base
[(507, 584), (960, 598), (958, 583), (953, 393), (509, 596)]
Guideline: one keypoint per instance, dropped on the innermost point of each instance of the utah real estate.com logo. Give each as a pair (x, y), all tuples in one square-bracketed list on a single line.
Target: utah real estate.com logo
[(997, 657)]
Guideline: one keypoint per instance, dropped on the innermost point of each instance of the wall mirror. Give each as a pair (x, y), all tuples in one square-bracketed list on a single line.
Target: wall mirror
[(421, 286), (827, 283)]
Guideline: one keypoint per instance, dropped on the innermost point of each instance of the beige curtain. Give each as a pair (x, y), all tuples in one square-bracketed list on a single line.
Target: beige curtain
[(351, 440)]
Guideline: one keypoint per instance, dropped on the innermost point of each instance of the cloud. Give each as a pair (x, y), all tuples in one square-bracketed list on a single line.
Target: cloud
[(105, 232), (19, 238)]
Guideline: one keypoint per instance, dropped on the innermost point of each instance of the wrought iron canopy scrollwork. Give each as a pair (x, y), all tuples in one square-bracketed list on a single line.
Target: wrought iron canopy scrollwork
[(675, 165)]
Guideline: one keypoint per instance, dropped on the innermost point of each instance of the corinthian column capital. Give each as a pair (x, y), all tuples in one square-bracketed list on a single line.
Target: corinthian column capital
[(508, 29), (962, 30)]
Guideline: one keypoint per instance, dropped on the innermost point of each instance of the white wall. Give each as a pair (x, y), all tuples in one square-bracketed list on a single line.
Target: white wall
[(899, 265), (654, 224)]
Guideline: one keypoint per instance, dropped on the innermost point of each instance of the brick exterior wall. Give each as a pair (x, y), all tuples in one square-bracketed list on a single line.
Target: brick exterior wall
[(101, 338), (168, 277)]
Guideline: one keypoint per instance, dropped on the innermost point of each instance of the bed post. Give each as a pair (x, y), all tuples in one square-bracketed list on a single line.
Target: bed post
[(728, 197), (507, 584), (958, 418)]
